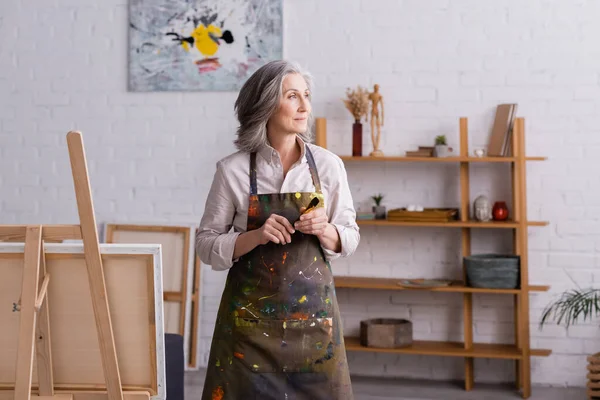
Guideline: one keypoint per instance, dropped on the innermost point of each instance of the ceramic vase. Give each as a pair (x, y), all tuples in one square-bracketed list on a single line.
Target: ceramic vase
[(441, 150), (500, 211), (357, 133), (380, 212)]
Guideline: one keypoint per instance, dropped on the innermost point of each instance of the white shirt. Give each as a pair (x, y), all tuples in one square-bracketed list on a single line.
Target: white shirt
[(227, 202)]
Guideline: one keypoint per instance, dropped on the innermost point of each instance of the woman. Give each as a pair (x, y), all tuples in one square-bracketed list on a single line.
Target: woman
[(278, 332)]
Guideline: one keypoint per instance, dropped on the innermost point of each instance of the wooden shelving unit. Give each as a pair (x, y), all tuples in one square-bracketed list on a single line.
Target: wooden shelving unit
[(521, 350)]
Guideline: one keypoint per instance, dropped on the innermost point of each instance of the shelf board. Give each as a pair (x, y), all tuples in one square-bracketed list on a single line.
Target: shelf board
[(450, 224), (453, 349), (356, 282), (441, 159)]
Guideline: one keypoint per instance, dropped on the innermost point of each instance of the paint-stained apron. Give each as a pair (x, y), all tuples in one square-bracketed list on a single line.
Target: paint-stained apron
[(278, 332)]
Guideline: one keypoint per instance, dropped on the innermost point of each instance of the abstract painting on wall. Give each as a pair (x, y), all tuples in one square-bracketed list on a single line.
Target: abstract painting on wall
[(201, 45)]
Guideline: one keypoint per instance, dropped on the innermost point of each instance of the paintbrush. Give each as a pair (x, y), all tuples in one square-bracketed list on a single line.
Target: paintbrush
[(311, 206), (313, 203)]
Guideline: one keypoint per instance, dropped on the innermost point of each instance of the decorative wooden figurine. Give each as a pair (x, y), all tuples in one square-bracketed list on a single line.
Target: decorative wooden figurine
[(376, 100)]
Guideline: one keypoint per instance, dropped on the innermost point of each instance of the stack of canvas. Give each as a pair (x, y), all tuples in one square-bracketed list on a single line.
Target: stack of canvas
[(181, 275)]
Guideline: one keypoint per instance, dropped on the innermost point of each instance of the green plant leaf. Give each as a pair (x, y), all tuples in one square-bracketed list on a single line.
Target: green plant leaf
[(377, 198), (573, 305)]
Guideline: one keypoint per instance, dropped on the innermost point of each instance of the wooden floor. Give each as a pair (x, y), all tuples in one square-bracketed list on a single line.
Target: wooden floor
[(400, 389)]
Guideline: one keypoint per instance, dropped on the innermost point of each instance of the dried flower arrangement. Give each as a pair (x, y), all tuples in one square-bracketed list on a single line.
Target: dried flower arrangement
[(357, 102)]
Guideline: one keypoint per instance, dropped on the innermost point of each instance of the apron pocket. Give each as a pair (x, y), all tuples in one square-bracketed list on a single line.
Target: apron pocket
[(263, 345)]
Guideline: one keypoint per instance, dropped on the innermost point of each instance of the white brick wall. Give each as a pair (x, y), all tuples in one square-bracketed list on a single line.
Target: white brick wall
[(63, 65)]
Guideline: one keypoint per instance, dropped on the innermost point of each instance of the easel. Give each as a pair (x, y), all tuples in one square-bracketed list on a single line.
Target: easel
[(34, 307)]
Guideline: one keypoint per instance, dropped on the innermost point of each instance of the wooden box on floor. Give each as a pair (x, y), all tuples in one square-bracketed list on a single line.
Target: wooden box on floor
[(180, 269), (593, 376)]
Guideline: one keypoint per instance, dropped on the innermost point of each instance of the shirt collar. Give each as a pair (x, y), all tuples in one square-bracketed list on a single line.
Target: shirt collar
[(270, 154)]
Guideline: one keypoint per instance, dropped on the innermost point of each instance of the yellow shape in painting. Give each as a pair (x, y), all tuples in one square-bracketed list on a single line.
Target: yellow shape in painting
[(302, 299), (204, 43), (298, 195)]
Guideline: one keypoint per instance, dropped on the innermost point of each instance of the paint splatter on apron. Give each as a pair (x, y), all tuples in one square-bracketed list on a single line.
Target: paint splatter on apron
[(278, 332)]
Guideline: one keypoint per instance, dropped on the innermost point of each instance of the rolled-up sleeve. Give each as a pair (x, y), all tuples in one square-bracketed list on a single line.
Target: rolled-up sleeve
[(214, 241), (342, 215)]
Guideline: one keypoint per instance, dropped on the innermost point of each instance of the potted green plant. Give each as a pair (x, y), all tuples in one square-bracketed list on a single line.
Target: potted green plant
[(378, 209), (441, 146), (572, 305), (568, 309)]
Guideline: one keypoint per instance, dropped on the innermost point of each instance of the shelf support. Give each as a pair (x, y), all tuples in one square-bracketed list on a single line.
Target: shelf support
[(516, 205), (522, 302), (465, 200)]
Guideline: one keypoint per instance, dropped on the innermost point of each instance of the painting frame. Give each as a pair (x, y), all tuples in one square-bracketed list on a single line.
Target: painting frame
[(214, 52)]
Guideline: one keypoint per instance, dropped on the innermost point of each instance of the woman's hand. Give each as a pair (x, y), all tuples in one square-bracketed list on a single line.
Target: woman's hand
[(314, 222), (276, 229)]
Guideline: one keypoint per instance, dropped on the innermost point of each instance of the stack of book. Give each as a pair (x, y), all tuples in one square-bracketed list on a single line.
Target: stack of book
[(424, 151), (500, 144), (364, 215), (427, 215)]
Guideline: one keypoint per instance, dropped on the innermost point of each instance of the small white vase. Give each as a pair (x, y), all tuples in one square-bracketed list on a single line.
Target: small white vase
[(380, 212), (441, 150)]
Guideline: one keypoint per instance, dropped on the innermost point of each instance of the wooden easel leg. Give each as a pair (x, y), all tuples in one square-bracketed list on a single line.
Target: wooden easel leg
[(44, 353), (184, 286), (31, 270), (93, 260), (195, 313)]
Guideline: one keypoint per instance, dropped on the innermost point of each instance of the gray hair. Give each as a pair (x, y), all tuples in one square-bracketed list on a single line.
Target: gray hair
[(259, 99)]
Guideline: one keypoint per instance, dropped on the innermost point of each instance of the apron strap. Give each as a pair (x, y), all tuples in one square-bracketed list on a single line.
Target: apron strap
[(312, 166), (253, 185), (313, 169)]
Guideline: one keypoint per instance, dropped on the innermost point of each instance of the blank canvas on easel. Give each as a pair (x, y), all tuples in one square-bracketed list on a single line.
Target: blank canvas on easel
[(178, 253), (134, 293)]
